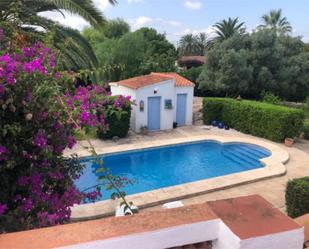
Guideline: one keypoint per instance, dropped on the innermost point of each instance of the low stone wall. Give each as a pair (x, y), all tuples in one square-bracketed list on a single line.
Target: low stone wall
[(239, 223)]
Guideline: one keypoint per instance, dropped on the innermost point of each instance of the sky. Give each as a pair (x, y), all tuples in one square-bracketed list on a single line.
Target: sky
[(178, 17)]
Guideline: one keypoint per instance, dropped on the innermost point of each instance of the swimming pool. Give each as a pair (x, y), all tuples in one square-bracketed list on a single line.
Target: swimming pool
[(171, 165)]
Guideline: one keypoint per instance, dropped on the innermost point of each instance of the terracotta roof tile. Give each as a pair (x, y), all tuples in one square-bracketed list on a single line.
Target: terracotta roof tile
[(153, 78), (144, 80), (180, 81)]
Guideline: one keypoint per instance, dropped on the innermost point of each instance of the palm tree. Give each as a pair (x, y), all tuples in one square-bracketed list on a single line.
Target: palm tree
[(202, 42), (75, 50), (188, 45), (227, 28), (275, 21)]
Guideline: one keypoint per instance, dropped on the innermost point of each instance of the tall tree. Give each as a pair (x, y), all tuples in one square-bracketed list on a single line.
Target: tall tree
[(116, 28), (188, 45), (134, 53), (193, 44), (275, 21), (257, 62), (227, 28), (75, 50), (202, 42)]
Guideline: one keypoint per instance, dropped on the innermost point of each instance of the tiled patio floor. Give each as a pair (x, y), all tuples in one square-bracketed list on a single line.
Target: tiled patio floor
[(271, 189)]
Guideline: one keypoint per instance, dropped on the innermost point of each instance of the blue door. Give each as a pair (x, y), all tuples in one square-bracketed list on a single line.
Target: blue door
[(154, 107), (181, 109)]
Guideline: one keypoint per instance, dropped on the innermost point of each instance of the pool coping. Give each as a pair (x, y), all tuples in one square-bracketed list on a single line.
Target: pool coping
[(273, 167)]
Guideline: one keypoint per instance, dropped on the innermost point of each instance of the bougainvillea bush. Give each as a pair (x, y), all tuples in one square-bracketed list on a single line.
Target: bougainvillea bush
[(38, 117), (94, 107), (36, 181)]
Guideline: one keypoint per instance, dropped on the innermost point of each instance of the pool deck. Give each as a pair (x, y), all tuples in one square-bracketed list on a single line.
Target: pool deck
[(250, 182)]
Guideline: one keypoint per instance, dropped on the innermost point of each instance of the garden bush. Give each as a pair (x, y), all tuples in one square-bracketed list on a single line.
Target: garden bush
[(297, 197), (117, 112), (259, 119), (36, 181), (108, 115), (270, 98)]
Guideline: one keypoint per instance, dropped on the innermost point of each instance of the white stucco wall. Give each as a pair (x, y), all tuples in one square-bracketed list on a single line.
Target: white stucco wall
[(211, 230), (158, 239), (189, 109), (121, 90), (165, 90), (226, 238), (292, 239)]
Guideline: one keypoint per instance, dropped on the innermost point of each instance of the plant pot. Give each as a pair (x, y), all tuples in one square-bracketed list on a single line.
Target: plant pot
[(289, 142)]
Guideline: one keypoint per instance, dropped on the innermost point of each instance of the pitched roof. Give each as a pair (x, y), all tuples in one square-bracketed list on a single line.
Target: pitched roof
[(144, 80), (153, 78), (180, 81)]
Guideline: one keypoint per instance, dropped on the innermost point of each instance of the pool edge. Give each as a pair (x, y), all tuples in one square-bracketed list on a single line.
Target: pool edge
[(274, 167)]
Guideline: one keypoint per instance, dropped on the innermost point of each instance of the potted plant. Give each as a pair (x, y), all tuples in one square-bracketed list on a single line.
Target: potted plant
[(288, 142), (144, 130)]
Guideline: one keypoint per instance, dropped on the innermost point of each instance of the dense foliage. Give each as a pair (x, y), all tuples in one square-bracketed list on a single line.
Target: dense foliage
[(297, 197), (132, 53), (259, 119), (28, 16), (190, 44), (37, 122), (262, 61), (192, 74), (36, 181), (93, 107), (117, 113)]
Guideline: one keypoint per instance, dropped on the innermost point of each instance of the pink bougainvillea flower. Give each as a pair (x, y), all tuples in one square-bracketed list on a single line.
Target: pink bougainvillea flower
[(3, 153), (3, 208), (40, 139)]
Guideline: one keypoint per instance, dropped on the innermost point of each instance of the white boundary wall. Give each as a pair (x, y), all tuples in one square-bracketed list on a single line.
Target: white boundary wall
[(214, 230)]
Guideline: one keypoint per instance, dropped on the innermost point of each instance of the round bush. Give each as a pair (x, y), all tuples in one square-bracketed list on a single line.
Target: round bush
[(297, 197)]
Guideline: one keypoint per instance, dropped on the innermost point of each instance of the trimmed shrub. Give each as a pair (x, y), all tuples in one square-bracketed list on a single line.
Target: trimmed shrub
[(259, 119), (117, 113), (297, 197)]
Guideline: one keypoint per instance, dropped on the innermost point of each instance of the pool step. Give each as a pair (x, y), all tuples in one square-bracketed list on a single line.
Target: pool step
[(244, 155), (240, 160), (256, 152)]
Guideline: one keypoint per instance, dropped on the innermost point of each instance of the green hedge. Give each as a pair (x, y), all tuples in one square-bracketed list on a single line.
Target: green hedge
[(273, 122), (297, 197)]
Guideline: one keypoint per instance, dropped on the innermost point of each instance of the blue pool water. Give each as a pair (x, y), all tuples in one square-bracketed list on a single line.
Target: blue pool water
[(175, 164)]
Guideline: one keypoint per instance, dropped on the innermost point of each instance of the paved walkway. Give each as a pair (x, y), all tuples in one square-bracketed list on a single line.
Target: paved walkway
[(271, 189)]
